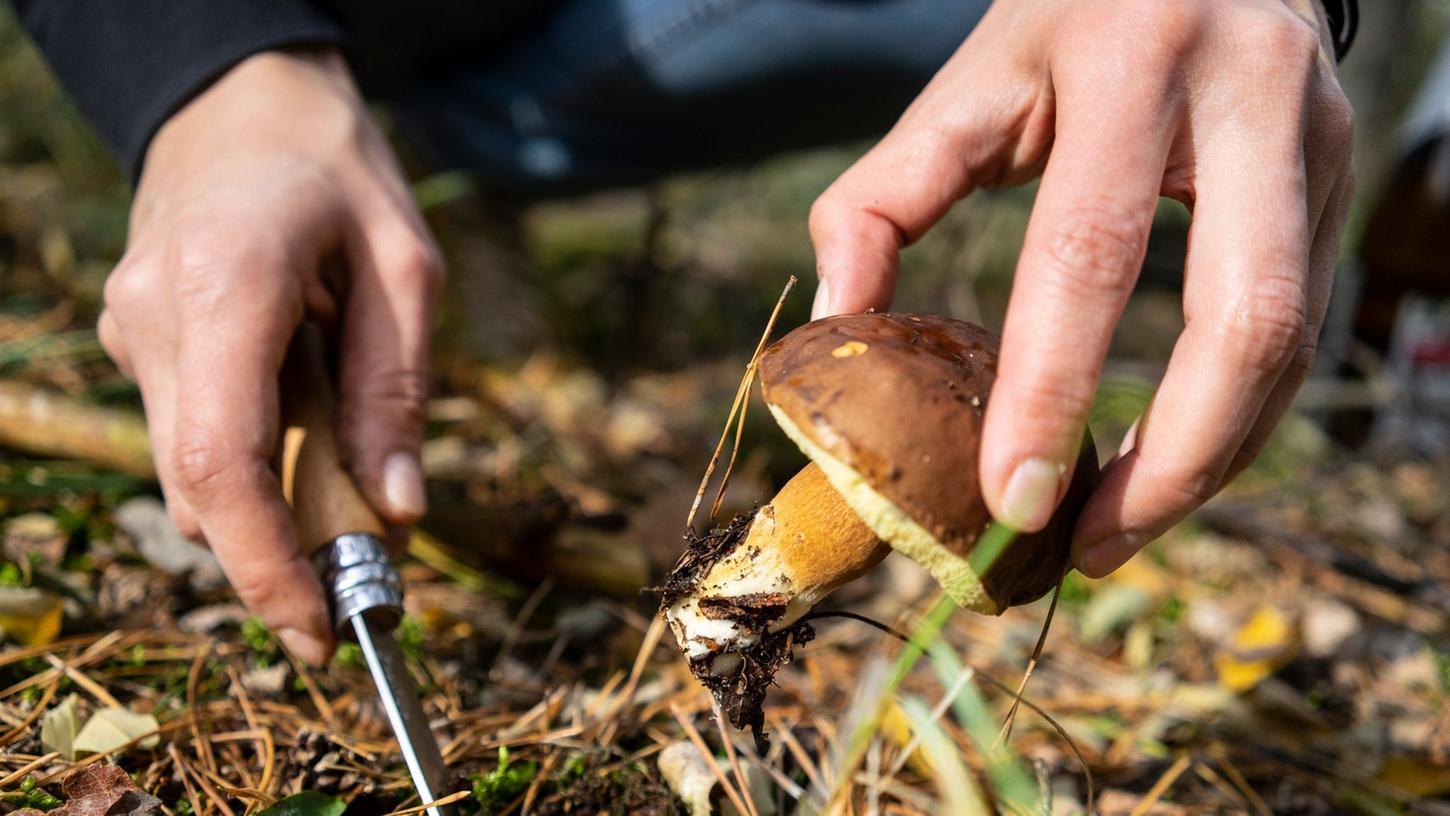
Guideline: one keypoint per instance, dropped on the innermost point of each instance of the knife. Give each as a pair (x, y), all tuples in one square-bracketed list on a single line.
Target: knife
[(342, 535)]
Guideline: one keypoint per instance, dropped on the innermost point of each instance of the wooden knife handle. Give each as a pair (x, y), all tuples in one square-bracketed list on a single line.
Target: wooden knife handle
[(326, 503)]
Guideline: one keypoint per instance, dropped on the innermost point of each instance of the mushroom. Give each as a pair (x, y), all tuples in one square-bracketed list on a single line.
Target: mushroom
[(889, 409)]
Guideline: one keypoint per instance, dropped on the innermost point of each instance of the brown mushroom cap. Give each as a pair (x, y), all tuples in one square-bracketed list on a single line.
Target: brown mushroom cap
[(890, 406)]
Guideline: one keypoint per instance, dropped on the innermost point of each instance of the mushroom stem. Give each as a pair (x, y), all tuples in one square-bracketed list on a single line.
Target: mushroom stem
[(798, 548)]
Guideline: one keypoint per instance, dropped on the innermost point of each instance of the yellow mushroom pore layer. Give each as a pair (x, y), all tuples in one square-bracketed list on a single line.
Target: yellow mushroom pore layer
[(887, 521)]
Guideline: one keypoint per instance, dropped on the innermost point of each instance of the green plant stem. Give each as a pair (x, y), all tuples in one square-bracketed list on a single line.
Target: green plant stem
[(994, 541)]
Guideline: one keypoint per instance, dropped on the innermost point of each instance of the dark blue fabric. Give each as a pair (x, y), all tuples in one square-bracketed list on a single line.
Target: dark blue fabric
[(616, 92), (129, 64)]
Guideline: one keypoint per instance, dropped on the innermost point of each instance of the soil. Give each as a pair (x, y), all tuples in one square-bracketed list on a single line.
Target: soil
[(741, 694)]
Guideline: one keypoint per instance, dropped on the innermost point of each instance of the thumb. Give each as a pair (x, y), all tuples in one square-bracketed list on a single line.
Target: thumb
[(383, 381)]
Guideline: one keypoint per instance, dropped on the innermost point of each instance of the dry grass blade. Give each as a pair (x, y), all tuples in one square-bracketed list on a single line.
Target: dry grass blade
[(736, 410), (83, 680), (213, 796), (457, 796), (21, 772), (29, 719), (1031, 665), (699, 742), (1162, 785), (734, 759)]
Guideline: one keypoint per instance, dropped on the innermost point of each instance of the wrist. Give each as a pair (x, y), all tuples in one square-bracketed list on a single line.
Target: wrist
[(295, 101)]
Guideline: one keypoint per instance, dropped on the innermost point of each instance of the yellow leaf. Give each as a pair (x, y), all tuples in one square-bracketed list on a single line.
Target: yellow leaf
[(111, 727), (897, 729), (1264, 644), (1416, 776), (30, 616), (1143, 574)]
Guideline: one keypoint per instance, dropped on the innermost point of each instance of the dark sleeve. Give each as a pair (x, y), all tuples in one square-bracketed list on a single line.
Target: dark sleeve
[(130, 64)]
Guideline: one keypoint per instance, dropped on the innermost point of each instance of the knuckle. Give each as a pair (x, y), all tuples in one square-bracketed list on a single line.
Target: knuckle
[(1096, 250), (126, 286), (200, 464), (1049, 401), (184, 522), (1269, 325), (258, 588), (398, 396), (1339, 122), (108, 335), (415, 258), (1193, 485), (1283, 40), (1175, 26)]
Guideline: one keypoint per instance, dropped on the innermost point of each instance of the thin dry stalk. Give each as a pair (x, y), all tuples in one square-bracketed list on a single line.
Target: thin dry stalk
[(699, 742), (734, 760), (20, 773), (1162, 785), (83, 680), (802, 758), (1031, 665), (1212, 777), (456, 796), (735, 408), (641, 660), (1232, 772), (24, 724)]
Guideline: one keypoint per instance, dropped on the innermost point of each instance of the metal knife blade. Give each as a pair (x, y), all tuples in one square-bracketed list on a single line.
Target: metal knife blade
[(405, 712)]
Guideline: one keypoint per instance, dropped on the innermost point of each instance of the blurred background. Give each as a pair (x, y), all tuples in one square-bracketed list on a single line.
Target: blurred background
[(1286, 650)]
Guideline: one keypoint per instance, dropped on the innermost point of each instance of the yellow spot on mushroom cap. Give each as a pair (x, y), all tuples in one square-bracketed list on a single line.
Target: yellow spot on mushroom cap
[(850, 348)]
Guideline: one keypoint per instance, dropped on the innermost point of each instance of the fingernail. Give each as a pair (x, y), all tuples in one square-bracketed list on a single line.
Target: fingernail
[(821, 306), (1031, 493), (1110, 553), (303, 645), (403, 485)]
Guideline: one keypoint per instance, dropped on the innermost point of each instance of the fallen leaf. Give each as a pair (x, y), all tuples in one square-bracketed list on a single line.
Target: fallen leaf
[(1416, 777), (1265, 643), (34, 535), (104, 790), (30, 616), (146, 521), (267, 681), (112, 727), (689, 775), (897, 729), (58, 728), (306, 803), (1112, 608)]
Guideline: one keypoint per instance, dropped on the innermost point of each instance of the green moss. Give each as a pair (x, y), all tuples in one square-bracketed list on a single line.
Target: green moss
[(496, 789)]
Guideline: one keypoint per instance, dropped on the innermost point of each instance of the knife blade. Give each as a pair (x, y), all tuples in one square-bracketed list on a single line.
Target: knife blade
[(345, 537)]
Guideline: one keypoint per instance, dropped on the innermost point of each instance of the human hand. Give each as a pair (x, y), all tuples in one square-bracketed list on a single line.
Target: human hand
[(269, 198), (1233, 108)]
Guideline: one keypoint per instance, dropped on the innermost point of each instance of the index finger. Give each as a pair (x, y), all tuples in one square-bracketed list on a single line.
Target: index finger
[(1080, 260), (226, 435)]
